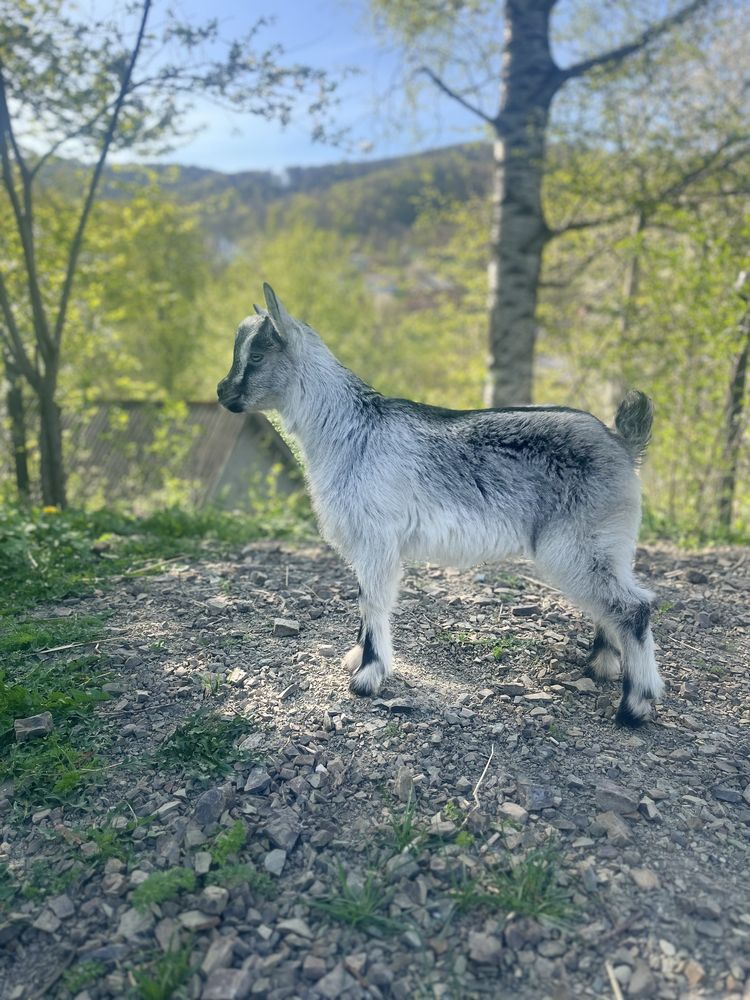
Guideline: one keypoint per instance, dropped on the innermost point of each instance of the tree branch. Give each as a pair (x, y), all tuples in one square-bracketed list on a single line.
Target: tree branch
[(75, 247), (588, 223), (615, 56), (441, 85), (12, 337)]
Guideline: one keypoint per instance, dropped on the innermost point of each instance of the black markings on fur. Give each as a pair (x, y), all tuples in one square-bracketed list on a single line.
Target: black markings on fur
[(360, 632), (626, 717), (600, 644), (637, 620), (368, 652)]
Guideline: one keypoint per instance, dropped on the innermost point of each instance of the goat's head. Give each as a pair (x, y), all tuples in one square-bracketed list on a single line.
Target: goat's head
[(266, 348)]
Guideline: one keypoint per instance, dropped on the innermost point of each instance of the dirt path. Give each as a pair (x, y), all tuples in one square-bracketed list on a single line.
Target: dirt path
[(488, 741)]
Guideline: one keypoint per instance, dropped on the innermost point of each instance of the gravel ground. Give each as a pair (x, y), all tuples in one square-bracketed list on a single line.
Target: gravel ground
[(489, 737)]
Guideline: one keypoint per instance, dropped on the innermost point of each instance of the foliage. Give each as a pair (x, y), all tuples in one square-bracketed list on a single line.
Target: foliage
[(234, 875), (359, 906), (49, 771), (529, 887), (161, 978), (204, 744), (161, 886), (228, 842)]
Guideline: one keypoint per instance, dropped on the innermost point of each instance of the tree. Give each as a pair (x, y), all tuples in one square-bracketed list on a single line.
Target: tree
[(88, 88), (530, 79)]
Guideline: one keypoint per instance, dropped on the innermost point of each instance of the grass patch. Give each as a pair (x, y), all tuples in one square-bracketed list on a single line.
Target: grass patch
[(161, 886), (82, 975), (163, 977), (404, 830), (49, 771), (530, 888), (205, 744), (47, 555), (361, 907), (231, 876), (509, 644), (228, 842)]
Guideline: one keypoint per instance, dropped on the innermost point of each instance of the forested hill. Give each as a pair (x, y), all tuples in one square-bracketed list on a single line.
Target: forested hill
[(378, 198)]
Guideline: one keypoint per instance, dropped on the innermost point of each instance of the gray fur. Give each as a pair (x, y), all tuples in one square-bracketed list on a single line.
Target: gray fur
[(393, 480)]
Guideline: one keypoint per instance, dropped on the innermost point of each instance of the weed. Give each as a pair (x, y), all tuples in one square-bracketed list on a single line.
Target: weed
[(44, 879), (360, 906), (49, 771), (529, 888), (232, 876), (228, 842), (389, 730), (8, 888), (161, 886), (464, 838), (204, 743), (404, 830), (82, 975), (509, 644), (161, 978), (210, 684)]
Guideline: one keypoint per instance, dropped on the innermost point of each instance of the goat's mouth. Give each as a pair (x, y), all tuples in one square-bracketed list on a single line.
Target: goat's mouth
[(233, 405)]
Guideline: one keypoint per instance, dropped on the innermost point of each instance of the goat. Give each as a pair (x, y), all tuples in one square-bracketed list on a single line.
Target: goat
[(394, 480)]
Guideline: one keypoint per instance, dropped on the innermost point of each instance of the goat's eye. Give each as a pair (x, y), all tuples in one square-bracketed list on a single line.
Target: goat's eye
[(255, 358)]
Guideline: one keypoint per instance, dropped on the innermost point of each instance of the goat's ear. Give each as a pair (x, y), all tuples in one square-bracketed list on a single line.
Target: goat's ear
[(258, 310), (279, 316)]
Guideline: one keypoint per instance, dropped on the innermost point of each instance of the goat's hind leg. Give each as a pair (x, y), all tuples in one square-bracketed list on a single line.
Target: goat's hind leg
[(371, 660), (604, 656)]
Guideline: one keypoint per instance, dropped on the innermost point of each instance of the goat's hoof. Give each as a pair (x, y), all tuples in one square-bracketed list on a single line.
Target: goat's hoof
[(632, 713), (366, 681)]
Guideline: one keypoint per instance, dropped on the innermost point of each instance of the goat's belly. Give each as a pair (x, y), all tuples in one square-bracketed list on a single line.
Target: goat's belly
[(451, 543)]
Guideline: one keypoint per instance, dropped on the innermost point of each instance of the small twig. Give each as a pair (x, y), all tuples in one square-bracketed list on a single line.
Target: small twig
[(481, 778), (613, 981), (86, 642)]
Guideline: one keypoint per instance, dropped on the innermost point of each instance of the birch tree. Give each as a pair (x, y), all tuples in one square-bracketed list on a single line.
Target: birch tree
[(517, 34), (86, 88)]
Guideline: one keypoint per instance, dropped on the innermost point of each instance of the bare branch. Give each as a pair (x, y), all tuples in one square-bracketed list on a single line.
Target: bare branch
[(75, 247), (441, 85), (615, 56)]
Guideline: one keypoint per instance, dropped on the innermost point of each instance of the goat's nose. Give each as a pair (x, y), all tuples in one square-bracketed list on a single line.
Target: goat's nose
[(220, 387)]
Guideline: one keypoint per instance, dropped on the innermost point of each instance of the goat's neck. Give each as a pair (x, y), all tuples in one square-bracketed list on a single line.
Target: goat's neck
[(321, 410)]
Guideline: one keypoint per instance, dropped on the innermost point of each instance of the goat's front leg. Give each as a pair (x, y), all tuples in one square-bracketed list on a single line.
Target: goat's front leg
[(371, 660)]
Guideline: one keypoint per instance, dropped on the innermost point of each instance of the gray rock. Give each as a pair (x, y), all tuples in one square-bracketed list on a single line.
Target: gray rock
[(335, 983), (133, 923), (404, 784), (617, 830), (485, 948), (525, 610), (47, 922), (535, 797), (196, 920), (62, 906), (228, 984), (283, 828), (295, 926), (726, 794), (283, 627), (641, 982), (33, 727), (219, 955), (257, 781), (610, 797), (214, 899), (399, 706), (313, 968), (274, 861), (210, 806)]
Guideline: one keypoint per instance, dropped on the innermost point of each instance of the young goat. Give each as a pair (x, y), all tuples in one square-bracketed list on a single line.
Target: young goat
[(393, 480)]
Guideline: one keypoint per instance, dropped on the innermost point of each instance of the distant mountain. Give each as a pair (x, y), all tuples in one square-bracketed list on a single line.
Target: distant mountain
[(374, 199)]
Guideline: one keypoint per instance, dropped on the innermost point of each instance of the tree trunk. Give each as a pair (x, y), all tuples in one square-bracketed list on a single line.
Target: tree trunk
[(51, 449), (530, 79), (733, 428), (14, 402)]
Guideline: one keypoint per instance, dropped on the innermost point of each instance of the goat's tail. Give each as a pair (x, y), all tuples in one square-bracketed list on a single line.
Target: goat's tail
[(633, 421)]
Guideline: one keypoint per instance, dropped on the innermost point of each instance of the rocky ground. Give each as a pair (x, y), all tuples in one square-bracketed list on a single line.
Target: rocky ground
[(481, 829)]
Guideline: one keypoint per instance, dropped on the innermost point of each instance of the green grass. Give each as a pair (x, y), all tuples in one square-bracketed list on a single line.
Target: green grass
[(204, 744), (509, 644), (235, 875), (45, 556), (530, 888), (361, 907), (49, 771), (82, 975), (161, 886), (228, 843), (161, 978), (404, 830)]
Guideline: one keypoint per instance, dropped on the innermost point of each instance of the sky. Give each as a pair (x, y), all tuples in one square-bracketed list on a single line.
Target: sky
[(331, 34)]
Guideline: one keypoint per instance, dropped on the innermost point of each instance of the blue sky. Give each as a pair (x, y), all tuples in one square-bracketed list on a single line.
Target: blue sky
[(333, 34)]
